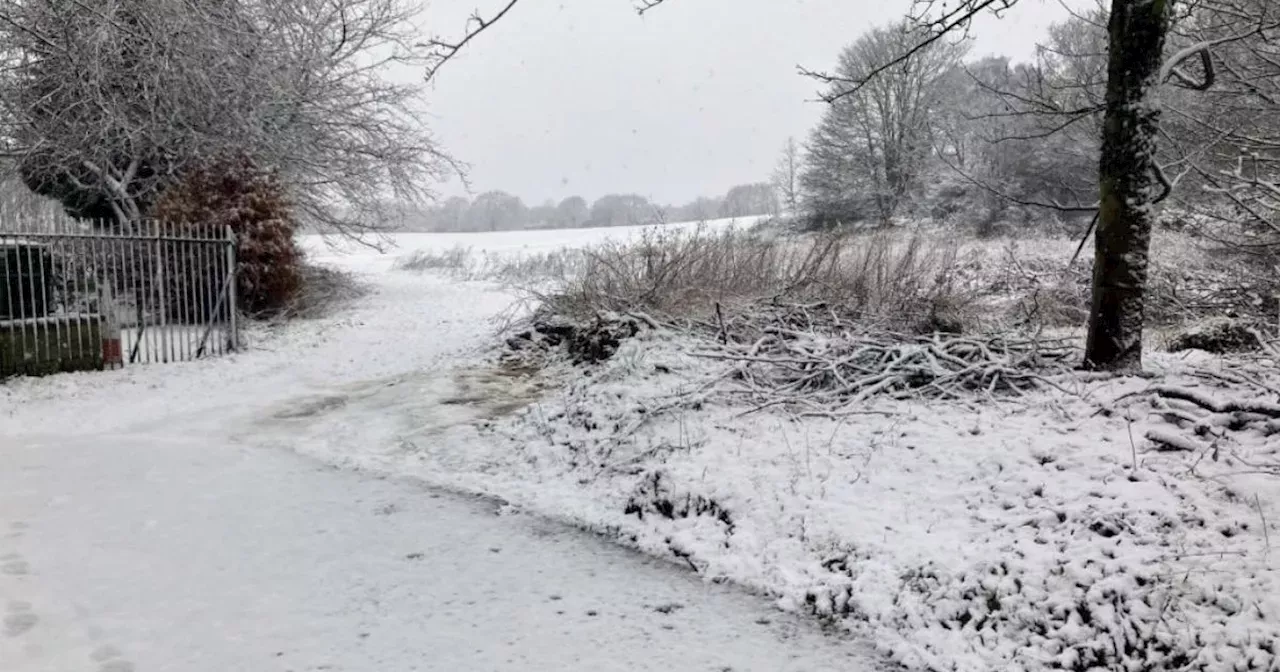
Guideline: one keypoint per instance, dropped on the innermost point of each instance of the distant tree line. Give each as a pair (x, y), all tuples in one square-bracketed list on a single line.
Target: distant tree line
[(501, 211)]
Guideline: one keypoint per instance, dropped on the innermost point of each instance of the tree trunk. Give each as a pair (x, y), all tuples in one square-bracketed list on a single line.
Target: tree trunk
[(1127, 183)]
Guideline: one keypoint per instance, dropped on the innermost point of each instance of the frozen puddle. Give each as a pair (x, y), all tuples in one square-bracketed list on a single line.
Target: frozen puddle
[(180, 550)]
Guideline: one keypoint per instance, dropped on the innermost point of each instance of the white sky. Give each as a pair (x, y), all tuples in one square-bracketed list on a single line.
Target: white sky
[(585, 97)]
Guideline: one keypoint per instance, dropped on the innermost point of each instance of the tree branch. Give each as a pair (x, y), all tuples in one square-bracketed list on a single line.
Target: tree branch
[(643, 6), (956, 19), (440, 52)]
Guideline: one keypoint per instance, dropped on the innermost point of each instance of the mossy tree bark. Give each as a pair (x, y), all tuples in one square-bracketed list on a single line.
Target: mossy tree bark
[(1128, 182)]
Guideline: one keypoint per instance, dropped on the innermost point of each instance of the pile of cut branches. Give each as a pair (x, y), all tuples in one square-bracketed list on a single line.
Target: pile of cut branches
[(831, 374)]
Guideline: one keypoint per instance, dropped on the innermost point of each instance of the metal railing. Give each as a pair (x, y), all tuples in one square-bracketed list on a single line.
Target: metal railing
[(78, 295)]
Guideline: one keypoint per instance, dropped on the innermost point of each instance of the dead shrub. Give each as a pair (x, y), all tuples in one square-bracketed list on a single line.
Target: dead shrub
[(463, 263), (1188, 281), (535, 268), (883, 279), (455, 261), (323, 292)]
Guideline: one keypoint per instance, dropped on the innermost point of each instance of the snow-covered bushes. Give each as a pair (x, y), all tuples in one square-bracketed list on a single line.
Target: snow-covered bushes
[(457, 260), (464, 263), (704, 277)]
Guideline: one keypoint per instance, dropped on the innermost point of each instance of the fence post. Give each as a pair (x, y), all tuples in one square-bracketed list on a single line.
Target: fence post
[(232, 305)]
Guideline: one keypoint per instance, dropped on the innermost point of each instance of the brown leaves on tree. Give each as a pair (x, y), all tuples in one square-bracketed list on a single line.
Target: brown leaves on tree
[(252, 203)]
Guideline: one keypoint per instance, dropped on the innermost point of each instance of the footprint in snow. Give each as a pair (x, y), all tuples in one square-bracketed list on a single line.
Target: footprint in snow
[(19, 619), (15, 566), (109, 657)]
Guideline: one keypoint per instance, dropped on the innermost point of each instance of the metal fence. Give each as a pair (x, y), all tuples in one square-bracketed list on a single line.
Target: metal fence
[(80, 295)]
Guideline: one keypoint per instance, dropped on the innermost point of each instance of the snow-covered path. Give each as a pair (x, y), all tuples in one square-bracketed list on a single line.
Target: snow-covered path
[(157, 519), (179, 553)]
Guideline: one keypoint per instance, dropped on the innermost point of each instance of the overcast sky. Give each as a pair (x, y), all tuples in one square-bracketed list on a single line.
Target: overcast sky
[(584, 97)]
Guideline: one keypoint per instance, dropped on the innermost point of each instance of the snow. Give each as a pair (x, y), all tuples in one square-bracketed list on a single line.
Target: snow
[(956, 536), (379, 254), (156, 551), (163, 518), (960, 536)]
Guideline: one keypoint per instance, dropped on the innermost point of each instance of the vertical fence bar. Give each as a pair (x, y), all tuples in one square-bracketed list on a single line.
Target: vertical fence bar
[(38, 305), (65, 316), (131, 285), (10, 316), (78, 295), (202, 295), (113, 293), (216, 279), (192, 317), (94, 300), (233, 339), (179, 304), (144, 286), (71, 347), (149, 253), (107, 290), (185, 249), (85, 293), (88, 290), (221, 322), (93, 295), (126, 305), (141, 294), (197, 292), (19, 327), (110, 288), (29, 309), (173, 309), (220, 278), (170, 291), (174, 313), (50, 321), (166, 295), (207, 317)]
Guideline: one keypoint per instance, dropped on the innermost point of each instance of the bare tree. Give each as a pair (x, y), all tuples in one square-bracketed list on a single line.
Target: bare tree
[(1228, 144), (875, 141), (746, 200), (622, 210), (496, 211), (786, 177), (105, 105), (572, 212)]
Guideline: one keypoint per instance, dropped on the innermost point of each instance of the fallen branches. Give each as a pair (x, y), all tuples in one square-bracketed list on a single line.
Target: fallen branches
[(825, 374), (1202, 424), (1240, 407)]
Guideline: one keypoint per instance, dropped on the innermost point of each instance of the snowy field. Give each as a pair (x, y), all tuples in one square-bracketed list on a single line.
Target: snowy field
[(1038, 533), (379, 254)]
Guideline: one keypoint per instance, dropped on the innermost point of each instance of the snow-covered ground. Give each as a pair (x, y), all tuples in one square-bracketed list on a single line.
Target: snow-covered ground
[(167, 550), (160, 518), (379, 254), (961, 535)]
